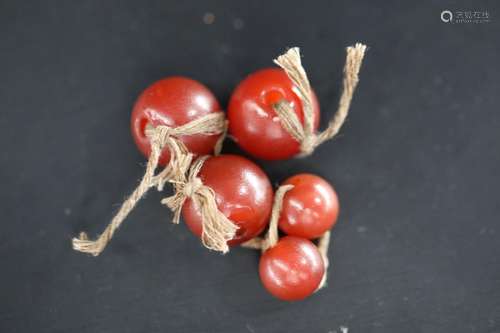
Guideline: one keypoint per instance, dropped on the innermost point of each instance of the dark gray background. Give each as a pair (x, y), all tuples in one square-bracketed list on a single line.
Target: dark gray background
[(417, 167)]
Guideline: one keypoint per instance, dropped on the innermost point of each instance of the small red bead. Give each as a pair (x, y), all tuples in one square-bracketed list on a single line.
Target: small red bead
[(293, 269), (173, 102), (310, 208), (253, 122), (243, 194)]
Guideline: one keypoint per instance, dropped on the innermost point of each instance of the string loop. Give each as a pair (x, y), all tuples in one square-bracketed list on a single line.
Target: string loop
[(180, 160), (304, 133)]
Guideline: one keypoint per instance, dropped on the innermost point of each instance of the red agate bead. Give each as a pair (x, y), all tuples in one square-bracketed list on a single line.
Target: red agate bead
[(254, 124), (174, 101), (292, 269), (243, 194), (310, 208)]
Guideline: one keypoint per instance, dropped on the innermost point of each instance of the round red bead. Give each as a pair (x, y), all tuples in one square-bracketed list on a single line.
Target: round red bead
[(243, 194), (310, 208), (292, 269), (254, 124), (173, 102)]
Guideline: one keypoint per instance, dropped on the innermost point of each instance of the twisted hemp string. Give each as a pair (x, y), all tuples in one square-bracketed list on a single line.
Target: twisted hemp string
[(180, 160), (271, 238), (217, 228), (304, 133)]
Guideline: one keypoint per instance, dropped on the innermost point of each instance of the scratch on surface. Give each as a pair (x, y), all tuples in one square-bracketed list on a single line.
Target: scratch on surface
[(208, 18), (238, 24), (343, 329), (249, 328), (361, 229)]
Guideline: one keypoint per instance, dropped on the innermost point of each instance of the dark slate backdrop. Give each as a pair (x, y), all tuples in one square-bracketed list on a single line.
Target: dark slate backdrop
[(417, 167)]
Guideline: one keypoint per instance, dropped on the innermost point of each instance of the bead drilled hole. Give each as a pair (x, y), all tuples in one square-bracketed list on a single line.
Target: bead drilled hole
[(143, 123), (272, 97), (240, 232)]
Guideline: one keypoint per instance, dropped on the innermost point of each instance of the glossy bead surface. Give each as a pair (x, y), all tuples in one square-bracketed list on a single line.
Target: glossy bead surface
[(243, 194), (253, 122), (292, 269), (173, 101), (310, 208)]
